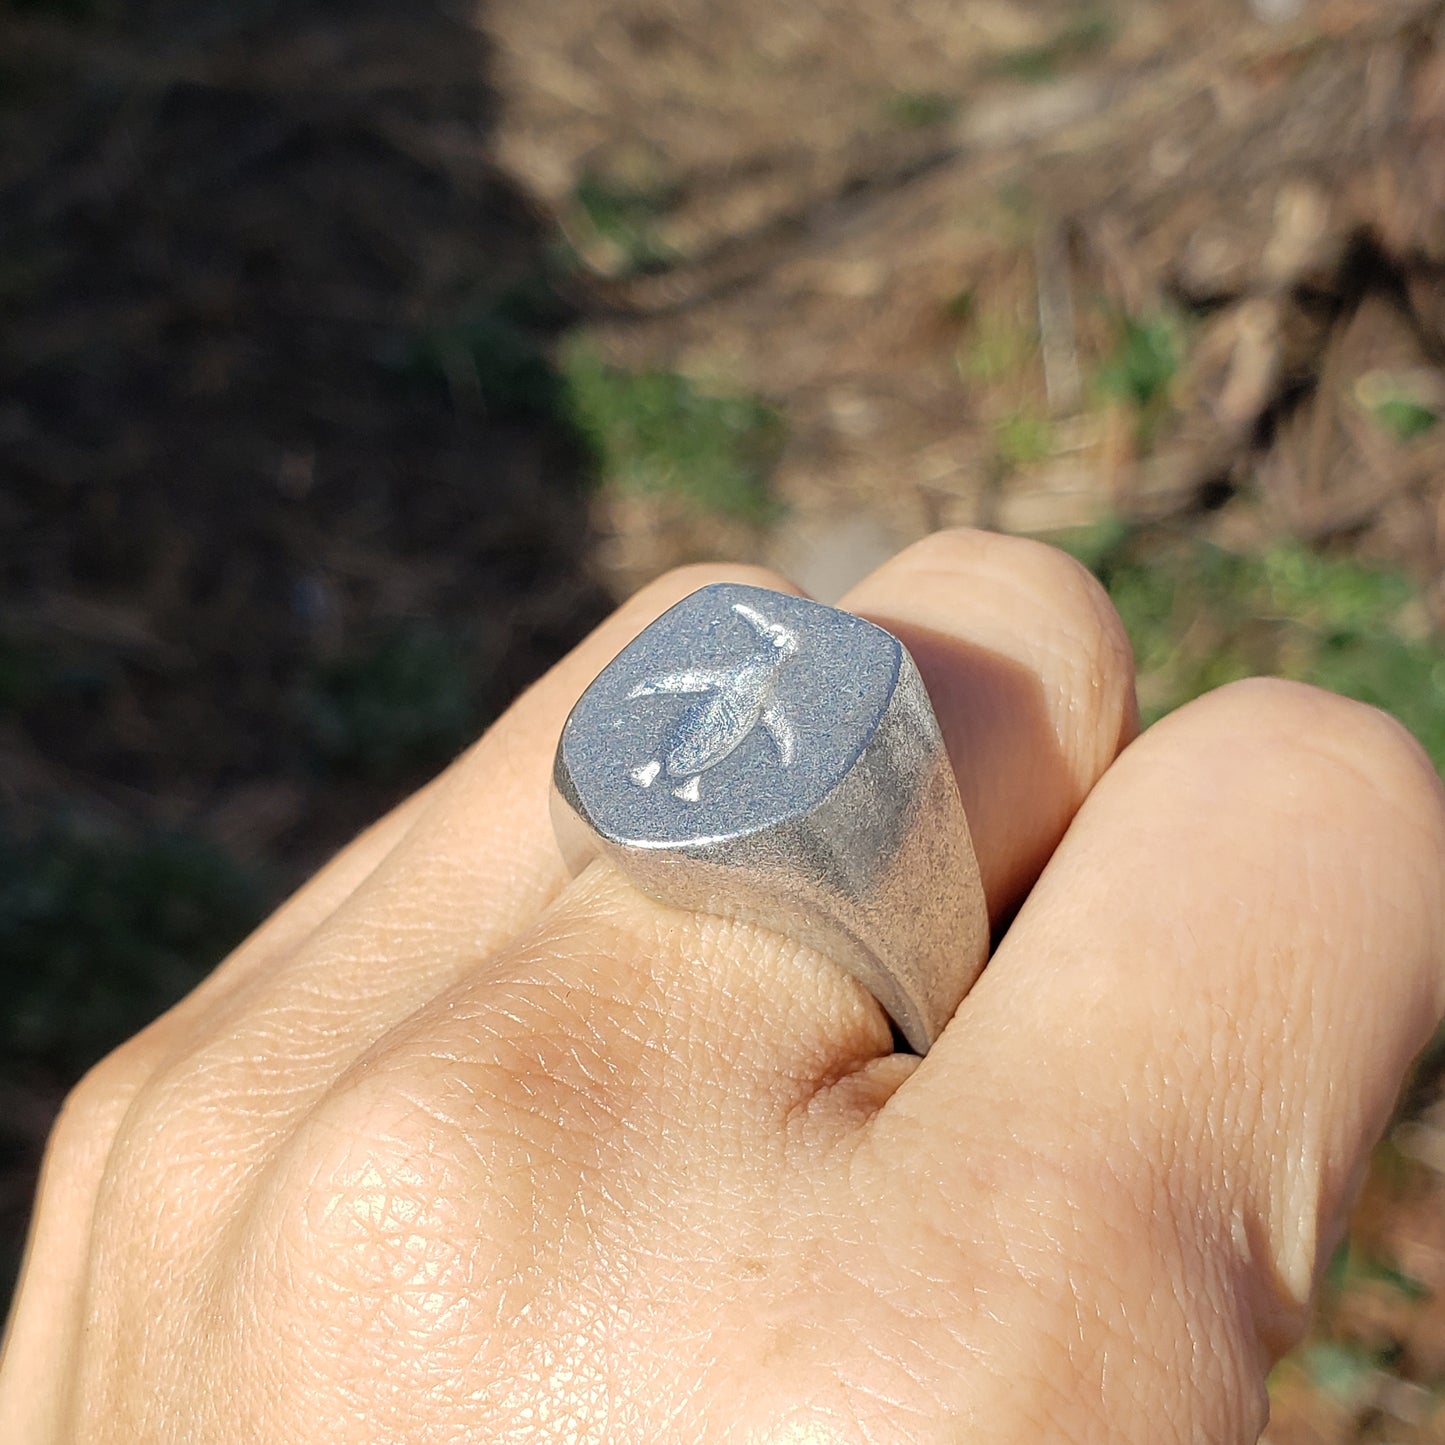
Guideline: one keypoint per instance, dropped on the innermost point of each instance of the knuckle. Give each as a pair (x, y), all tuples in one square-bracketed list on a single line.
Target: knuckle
[(369, 1180), (1037, 564), (1105, 656), (83, 1136), (1355, 748), (371, 1237), (93, 1110), (1089, 652), (677, 583), (1074, 616), (1101, 628), (1096, 632)]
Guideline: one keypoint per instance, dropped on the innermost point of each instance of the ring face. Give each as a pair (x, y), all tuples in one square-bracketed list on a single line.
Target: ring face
[(759, 756), (736, 710)]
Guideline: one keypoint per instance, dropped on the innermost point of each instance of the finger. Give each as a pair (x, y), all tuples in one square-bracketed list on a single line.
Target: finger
[(1013, 703), (1034, 681), (1031, 675), (485, 837), (301, 914), (1182, 1051), (433, 889)]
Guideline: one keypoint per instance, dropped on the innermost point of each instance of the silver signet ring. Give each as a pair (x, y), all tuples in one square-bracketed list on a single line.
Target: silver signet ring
[(763, 757)]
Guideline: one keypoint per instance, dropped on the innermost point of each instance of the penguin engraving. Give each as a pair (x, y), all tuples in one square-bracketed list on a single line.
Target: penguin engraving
[(732, 701)]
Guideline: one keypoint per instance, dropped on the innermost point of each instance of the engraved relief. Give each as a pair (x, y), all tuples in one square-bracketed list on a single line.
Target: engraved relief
[(732, 702)]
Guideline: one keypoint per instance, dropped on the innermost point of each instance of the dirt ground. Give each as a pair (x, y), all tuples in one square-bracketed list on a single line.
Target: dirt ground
[(915, 192), (1016, 263)]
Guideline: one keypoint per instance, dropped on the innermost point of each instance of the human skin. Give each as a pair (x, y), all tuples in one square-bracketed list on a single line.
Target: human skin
[(456, 1150)]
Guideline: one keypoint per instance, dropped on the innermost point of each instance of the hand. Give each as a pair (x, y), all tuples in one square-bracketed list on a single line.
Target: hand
[(455, 1150)]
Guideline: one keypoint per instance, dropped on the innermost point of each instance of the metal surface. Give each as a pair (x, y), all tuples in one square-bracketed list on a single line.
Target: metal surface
[(759, 756)]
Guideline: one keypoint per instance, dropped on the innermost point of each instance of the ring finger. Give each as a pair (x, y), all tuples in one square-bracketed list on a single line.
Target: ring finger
[(1031, 677)]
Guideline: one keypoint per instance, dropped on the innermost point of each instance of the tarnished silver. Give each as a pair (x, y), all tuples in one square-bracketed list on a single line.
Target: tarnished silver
[(759, 756)]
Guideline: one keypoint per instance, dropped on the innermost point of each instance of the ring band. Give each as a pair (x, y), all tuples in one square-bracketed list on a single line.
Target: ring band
[(759, 756)]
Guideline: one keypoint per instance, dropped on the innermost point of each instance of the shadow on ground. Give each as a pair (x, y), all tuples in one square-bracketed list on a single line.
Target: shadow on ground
[(285, 512)]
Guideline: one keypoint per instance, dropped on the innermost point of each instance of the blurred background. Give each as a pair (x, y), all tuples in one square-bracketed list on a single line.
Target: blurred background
[(355, 357)]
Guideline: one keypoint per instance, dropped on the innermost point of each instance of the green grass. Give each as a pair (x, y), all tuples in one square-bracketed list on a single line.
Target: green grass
[(489, 357), (649, 431), (918, 109), (1399, 403), (1344, 1372), (1144, 361), (495, 350), (1141, 368), (657, 431), (626, 216), (1406, 419), (994, 349), (1037, 64), (1350, 1268), (100, 933), (1023, 438), (404, 702), (1200, 616)]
